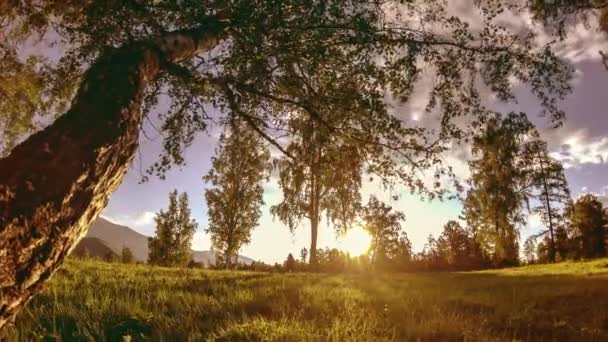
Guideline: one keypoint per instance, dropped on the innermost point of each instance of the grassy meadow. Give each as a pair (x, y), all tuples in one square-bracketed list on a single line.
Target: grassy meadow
[(89, 300)]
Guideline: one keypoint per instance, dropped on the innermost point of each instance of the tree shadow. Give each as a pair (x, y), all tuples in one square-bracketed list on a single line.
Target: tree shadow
[(515, 307)]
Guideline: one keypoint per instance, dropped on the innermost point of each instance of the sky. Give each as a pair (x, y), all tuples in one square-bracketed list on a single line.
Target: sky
[(581, 144)]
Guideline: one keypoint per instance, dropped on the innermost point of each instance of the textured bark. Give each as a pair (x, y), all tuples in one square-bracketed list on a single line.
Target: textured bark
[(55, 183)]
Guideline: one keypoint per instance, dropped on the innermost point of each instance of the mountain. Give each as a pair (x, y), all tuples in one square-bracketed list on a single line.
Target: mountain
[(116, 237), (91, 247), (105, 237), (208, 257)]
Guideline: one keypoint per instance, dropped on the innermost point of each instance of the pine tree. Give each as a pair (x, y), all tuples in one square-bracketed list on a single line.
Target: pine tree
[(171, 245), (235, 197), (126, 256), (588, 221), (549, 187)]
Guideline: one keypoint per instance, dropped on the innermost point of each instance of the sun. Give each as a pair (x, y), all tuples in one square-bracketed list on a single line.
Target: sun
[(356, 241)]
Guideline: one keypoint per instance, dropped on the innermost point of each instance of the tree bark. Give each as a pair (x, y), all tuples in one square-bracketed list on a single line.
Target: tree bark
[(55, 183)]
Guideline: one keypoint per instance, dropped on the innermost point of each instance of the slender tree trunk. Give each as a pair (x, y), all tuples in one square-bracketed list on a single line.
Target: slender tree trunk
[(315, 205), (55, 183), (229, 253), (549, 211), (314, 225), (227, 257), (376, 242)]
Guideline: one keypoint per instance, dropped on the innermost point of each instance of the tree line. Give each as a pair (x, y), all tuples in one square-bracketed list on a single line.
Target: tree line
[(512, 175)]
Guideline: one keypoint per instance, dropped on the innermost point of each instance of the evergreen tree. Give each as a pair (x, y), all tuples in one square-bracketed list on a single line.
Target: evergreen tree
[(588, 223), (126, 256), (563, 242), (549, 187), (110, 257), (543, 250), (237, 176), (175, 228)]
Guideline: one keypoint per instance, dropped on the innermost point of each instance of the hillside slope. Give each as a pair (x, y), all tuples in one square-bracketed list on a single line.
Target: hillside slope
[(114, 237), (91, 247)]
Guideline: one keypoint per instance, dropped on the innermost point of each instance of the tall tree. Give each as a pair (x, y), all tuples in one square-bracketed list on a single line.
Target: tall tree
[(453, 245), (384, 227), (311, 186), (237, 175), (171, 246), (495, 203), (588, 219), (550, 188), (404, 253), (249, 58)]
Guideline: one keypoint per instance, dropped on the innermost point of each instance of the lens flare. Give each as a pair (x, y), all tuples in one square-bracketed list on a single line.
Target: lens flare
[(356, 241)]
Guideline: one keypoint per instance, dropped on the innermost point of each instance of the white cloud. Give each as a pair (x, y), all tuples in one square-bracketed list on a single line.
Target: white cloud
[(578, 149), (582, 43), (141, 220)]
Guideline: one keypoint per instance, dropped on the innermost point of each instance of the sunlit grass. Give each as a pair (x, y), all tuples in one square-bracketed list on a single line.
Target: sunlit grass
[(95, 300)]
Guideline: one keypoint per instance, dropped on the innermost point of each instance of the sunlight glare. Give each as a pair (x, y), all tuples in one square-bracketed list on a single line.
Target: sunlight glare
[(356, 241)]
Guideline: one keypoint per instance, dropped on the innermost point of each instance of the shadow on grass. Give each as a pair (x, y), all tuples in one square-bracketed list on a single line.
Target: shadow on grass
[(469, 306), (423, 307)]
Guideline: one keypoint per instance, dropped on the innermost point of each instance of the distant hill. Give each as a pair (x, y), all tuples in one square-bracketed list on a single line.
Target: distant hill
[(104, 237), (116, 237), (93, 248)]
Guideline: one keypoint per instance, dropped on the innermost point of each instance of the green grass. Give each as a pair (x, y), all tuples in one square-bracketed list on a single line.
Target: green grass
[(88, 300)]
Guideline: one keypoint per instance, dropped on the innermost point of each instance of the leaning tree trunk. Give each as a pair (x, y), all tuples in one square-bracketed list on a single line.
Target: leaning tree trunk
[(55, 183)]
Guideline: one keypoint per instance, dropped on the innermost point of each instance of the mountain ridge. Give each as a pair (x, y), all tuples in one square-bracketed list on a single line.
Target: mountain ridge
[(104, 237)]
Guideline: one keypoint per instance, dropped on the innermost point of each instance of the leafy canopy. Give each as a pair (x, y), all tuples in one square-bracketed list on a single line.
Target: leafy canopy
[(171, 245), (234, 200), (306, 58)]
